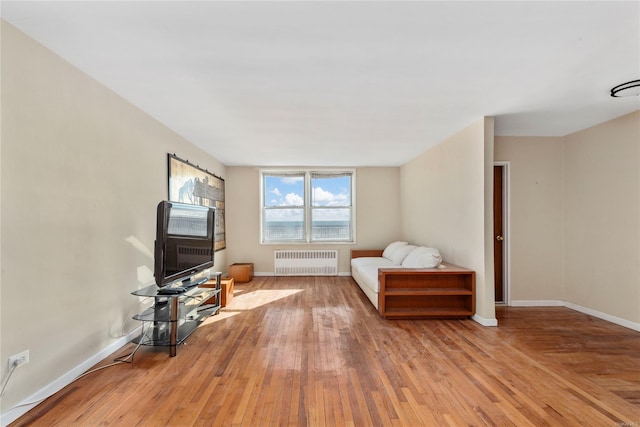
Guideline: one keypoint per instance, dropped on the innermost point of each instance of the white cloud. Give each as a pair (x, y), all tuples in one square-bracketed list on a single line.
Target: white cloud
[(327, 198), (276, 192), (291, 179), (293, 199), (320, 195)]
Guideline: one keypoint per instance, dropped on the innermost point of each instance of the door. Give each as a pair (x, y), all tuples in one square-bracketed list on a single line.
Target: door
[(498, 228)]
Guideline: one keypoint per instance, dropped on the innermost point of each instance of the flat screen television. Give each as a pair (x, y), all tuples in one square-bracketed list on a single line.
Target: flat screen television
[(185, 238)]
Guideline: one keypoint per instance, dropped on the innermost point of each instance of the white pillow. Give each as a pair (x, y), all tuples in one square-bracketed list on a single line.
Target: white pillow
[(401, 253), (391, 247), (422, 257)]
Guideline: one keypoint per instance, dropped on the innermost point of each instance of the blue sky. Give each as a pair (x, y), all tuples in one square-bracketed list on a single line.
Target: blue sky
[(289, 191)]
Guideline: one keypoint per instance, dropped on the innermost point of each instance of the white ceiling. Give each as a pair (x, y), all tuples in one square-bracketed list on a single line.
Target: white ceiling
[(348, 83)]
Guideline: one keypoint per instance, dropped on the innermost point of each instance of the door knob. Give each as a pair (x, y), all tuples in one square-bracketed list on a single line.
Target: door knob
[(499, 238)]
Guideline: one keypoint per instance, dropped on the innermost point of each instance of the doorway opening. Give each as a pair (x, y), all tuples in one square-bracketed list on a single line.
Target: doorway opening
[(501, 231)]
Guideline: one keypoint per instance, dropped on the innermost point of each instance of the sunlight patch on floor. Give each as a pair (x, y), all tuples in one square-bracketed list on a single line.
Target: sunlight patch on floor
[(248, 300), (254, 299)]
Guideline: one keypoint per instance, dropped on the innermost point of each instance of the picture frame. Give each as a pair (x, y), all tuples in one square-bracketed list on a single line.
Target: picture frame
[(189, 183)]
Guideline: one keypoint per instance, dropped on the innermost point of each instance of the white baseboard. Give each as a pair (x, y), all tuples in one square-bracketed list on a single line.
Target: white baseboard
[(36, 398), (485, 322), (586, 310), (604, 316)]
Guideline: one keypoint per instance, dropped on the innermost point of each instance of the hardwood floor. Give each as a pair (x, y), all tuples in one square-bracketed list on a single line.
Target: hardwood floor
[(313, 351)]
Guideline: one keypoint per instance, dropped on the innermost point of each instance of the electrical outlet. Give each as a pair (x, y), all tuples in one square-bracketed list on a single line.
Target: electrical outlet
[(19, 359)]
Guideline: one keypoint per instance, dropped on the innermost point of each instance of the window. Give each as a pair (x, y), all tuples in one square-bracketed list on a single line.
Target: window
[(307, 206)]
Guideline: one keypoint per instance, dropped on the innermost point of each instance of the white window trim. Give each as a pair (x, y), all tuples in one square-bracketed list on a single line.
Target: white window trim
[(307, 205)]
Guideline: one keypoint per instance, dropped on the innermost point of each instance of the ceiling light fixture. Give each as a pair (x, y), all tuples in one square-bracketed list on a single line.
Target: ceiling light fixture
[(626, 89)]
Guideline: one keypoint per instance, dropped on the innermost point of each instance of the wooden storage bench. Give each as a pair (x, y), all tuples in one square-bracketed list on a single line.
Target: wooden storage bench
[(415, 293), (429, 292)]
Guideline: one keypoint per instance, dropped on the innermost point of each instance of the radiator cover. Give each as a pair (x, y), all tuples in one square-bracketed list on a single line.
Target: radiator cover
[(306, 262)]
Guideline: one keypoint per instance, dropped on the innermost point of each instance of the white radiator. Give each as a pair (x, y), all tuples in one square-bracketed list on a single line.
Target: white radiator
[(306, 263)]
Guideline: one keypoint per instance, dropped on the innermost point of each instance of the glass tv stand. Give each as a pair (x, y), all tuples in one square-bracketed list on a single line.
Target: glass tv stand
[(173, 317)]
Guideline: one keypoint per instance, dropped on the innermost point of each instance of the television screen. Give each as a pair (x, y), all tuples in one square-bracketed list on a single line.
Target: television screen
[(185, 237)]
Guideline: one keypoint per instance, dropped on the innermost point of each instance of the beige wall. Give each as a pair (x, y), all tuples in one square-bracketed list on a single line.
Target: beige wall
[(536, 215), (575, 218), (444, 205), (602, 217), (82, 173), (377, 216)]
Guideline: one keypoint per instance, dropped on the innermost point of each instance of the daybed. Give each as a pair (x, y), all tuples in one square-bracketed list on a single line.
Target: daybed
[(408, 281)]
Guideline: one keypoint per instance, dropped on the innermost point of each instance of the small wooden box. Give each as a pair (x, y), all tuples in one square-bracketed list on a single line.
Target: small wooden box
[(226, 291), (241, 272)]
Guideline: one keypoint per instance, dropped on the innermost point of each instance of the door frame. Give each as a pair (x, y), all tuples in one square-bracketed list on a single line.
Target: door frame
[(506, 217)]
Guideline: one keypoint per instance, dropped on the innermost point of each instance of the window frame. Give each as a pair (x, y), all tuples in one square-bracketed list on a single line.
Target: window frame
[(307, 207)]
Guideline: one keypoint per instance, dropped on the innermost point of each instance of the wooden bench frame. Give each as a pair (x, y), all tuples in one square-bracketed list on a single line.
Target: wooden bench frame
[(414, 293)]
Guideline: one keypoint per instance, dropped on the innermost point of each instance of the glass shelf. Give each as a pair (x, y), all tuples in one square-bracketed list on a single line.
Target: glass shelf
[(174, 317)]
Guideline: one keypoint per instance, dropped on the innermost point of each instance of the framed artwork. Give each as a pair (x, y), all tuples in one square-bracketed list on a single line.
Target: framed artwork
[(191, 184)]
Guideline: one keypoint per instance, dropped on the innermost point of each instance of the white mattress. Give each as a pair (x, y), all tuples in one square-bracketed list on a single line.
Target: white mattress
[(365, 271)]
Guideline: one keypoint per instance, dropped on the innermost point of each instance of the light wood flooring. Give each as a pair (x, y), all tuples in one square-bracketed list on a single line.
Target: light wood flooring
[(314, 352)]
